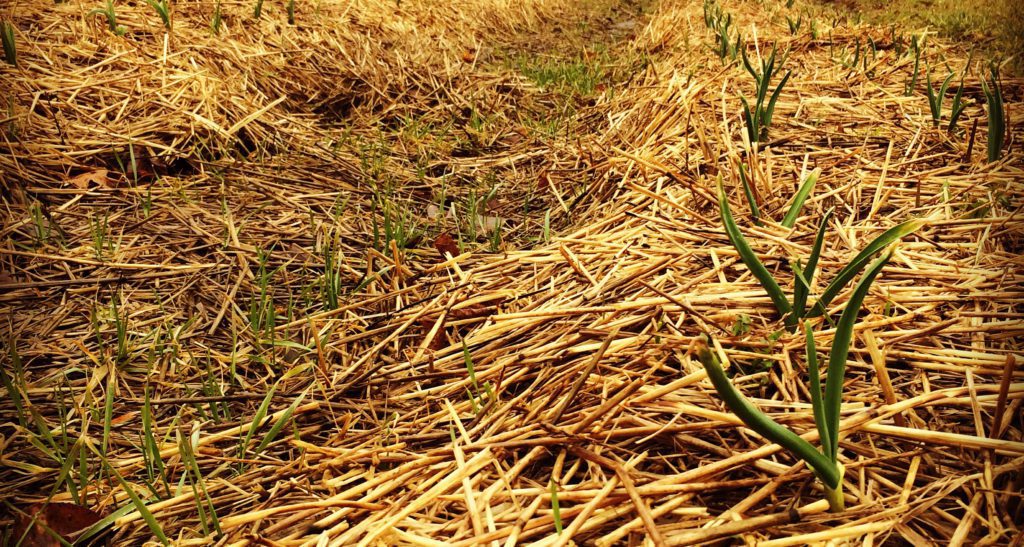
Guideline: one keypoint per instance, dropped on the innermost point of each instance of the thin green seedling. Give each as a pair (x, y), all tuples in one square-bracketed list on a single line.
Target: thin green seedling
[(996, 114), (140, 505), (495, 238), (258, 9), (150, 446), (14, 386), (162, 9), (99, 230), (42, 225), (110, 14), (331, 281), (147, 202), (108, 416), (10, 47), (262, 312), (804, 273), (958, 105), (556, 512), (474, 396), (261, 415), (204, 503), (104, 523), (120, 330), (215, 19), (291, 12), (935, 97), (275, 430), (257, 421), (712, 14), (861, 260), (724, 47), (826, 405), (759, 118), (916, 45), (547, 226), (795, 24), (747, 255)]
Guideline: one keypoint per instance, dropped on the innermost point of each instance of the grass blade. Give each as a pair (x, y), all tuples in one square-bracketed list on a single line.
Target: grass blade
[(761, 423), (280, 423), (857, 264), (841, 350), (140, 505), (801, 196), (556, 512), (257, 420), (748, 257)]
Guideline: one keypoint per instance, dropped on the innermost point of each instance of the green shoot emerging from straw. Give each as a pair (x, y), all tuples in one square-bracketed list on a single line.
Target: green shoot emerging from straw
[(7, 37), (111, 15), (163, 10), (996, 114), (760, 117), (935, 99), (825, 404), (793, 312)]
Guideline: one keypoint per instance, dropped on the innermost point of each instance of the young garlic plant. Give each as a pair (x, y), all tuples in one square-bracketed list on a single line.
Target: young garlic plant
[(10, 47), (793, 312), (996, 114), (760, 117), (935, 101), (825, 404)]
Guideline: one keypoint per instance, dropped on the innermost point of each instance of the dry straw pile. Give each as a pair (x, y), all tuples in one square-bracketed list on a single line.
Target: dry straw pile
[(224, 319)]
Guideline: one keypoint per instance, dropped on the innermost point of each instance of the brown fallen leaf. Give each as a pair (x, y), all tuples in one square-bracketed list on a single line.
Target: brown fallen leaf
[(445, 244), (64, 519), (126, 417), (470, 312), (544, 180), (97, 177)]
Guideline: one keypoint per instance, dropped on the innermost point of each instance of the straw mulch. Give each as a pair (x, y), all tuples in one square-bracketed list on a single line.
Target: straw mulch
[(171, 182)]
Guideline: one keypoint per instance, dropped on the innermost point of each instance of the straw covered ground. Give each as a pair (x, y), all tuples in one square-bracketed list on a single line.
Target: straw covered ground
[(431, 273)]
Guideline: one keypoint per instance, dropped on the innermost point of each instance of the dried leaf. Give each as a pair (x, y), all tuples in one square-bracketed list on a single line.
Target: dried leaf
[(544, 180), (469, 312), (445, 244), (126, 417), (97, 177), (64, 519)]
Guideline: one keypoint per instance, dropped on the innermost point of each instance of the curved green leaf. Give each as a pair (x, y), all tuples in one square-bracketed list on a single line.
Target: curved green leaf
[(857, 264), (803, 281), (801, 196), (761, 423), (755, 212), (817, 405), (747, 254), (841, 350)]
